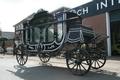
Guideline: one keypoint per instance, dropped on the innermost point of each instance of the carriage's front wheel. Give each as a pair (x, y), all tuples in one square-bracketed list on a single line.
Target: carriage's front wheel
[(21, 57), (44, 57), (78, 62)]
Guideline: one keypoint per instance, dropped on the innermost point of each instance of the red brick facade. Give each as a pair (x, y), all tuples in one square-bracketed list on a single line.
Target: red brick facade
[(98, 23)]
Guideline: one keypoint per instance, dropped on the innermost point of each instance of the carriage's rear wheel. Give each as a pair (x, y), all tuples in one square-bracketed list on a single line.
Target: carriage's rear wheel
[(99, 60), (44, 57), (78, 62), (21, 57)]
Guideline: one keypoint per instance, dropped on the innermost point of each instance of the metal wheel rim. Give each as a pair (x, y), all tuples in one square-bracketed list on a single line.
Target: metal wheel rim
[(21, 58), (99, 63), (80, 67), (44, 57)]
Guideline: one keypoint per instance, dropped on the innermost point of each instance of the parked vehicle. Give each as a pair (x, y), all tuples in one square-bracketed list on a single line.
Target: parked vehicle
[(48, 36)]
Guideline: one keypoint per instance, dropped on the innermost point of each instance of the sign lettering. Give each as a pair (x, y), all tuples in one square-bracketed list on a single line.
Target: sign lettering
[(96, 7)]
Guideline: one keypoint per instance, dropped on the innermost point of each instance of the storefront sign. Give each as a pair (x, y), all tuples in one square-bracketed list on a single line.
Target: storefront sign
[(96, 7)]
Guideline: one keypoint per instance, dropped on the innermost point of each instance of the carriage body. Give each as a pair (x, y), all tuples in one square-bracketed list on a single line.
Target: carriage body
[(48, 36), (67, 28)]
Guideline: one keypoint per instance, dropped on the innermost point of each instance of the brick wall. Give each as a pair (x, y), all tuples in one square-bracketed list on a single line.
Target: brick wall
[(98, 23)]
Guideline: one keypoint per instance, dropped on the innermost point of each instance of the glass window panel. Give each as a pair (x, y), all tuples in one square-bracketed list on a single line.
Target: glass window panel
[(19, 36), (36, 34), (59, 31), (28, 35), (43, 35), (51, 33)]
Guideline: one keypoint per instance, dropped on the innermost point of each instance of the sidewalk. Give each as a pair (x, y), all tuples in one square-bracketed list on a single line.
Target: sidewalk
[(112, 66)]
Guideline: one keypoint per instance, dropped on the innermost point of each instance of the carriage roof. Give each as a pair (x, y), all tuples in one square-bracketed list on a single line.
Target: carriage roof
[(49, 19)]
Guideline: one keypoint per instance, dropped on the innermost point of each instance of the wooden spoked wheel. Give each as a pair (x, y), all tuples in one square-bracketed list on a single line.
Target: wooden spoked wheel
[(98, 59), (44, 57), (78, 62), (21, 57)]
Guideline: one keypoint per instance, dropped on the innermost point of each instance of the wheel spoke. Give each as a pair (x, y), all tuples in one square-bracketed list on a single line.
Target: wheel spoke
[(71, 63), (45, 59), (83, 67), (98, 63), (85, 63), (18, 58), (22, 61), (74, 66), (92, 62), (77, 68), (95, 64)]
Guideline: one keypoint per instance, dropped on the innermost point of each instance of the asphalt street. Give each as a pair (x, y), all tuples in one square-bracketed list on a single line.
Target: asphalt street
[(53, 70)]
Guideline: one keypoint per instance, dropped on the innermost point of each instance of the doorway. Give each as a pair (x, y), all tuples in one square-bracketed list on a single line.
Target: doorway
[(115, 37), (115, 31)]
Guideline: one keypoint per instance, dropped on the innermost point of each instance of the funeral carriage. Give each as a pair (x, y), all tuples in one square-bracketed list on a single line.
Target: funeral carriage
[(48, 36)]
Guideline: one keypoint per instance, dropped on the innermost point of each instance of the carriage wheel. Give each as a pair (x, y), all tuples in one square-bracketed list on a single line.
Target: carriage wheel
[(99, 60), (44, 57), (78, 62), (21, 57)]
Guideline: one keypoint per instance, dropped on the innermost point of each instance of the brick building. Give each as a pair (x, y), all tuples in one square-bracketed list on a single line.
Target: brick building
[(104, 17)]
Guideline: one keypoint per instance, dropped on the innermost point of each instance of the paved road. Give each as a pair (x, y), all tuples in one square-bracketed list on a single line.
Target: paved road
[(54, 70)]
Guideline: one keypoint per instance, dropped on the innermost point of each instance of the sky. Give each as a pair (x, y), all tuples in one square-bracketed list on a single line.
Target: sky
[(13, 11)]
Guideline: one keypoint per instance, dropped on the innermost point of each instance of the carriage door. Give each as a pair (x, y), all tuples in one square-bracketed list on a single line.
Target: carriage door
[(59, 27)]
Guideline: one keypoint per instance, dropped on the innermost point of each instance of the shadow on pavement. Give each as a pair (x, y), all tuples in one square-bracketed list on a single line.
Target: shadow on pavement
[(49, 72)]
